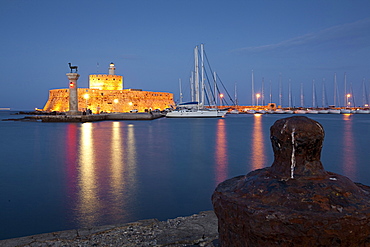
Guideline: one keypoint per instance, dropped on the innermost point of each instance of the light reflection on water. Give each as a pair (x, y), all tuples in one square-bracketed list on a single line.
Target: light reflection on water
[(221, 152), (348, 148), (106, 172), (117, 167), (115, 172), (258, 144), (88, 201)]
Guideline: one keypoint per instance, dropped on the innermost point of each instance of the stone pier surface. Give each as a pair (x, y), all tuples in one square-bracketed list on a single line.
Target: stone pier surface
[(97, 117), (295, 202), (196, 230)]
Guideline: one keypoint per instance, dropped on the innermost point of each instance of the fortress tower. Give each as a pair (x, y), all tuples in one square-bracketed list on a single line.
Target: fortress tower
[(106, 82), (111, 69)]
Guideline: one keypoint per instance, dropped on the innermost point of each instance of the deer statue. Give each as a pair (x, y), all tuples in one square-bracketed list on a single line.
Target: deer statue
[(73, 67)]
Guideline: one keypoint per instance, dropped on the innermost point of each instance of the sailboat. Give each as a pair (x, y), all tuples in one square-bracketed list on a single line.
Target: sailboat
[(235, 111), (197, 109)]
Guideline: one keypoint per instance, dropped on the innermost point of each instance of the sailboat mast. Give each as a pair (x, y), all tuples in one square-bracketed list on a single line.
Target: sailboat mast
[(270, 92), (192, 85), (335, 89), (313, 94), (202, 63), (345, 89), (196, 72), (302, 98), (235, 95), (215, 88), (280, 92), (323, 93), (263, 91), (363, 93), (252, 88), (180, 90), (290, 93)]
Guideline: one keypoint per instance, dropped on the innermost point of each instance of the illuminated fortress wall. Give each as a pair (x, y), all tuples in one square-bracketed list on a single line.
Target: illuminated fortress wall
[(106, 82), (106, 94), (109, 100)]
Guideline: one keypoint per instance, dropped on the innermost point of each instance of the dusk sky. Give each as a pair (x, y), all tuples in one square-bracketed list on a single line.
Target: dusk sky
[(151, 44)]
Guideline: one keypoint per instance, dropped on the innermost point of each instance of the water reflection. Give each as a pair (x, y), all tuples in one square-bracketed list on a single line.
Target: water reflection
[(349, 150), (88, 200), (71, 158), (106, 172), (258, 155), (221, 152), (117, 181), (131, 148)]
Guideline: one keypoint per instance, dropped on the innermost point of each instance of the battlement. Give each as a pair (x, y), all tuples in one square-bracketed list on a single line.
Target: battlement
[(106, 82)]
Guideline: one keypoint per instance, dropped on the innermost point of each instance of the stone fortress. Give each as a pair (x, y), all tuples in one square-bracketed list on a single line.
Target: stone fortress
[(106, 94)]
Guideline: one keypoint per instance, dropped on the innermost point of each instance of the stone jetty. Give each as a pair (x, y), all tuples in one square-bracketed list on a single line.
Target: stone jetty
[(295, 202), (196, 230), (92, 117)]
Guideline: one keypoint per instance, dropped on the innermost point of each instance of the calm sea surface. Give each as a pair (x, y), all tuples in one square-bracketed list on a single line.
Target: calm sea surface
[(59, 176)]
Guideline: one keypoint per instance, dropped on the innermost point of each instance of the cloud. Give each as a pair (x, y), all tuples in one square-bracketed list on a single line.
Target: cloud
[(353, 35)]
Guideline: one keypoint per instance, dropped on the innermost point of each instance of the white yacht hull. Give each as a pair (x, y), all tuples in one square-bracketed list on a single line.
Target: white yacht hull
[(323, 111), (334, 111), (363, 111), (195, 114), (345, 111)]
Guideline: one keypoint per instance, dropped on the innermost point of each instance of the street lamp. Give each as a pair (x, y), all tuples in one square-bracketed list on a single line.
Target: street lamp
[(348, 96), (221, 97), (258, 96), (86, 97), (115, 101)]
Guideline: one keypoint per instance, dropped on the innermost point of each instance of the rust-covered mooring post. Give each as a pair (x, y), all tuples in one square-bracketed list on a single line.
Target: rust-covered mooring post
[(295, 202)]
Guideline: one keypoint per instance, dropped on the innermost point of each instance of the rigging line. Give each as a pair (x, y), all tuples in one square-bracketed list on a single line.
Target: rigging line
[(210, 88), (227, 92), (209, 65)]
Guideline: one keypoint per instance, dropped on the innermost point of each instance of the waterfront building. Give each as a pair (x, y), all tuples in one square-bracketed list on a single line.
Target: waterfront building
[(106, 94)]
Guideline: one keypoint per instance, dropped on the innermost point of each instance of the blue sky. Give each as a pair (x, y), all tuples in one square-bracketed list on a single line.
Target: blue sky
[(151, 43)]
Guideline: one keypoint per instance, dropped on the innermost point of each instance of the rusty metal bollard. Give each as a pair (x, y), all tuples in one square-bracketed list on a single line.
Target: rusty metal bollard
[(295, 202)]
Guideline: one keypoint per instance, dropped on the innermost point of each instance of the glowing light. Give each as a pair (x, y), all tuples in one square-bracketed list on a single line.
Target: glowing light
[(221, 95), (88, 199), (258, 157), (349, 149), (221, 152), (115, 101), (86, 96), (258, 96), (71, 84), (130, 103), (348, 95)]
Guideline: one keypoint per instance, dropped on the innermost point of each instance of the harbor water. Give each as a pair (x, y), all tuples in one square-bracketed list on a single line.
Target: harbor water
[(60, 176)]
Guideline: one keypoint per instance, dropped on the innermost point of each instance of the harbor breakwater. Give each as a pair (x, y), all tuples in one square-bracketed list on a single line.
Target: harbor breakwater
[(195, 230), (92, 117)]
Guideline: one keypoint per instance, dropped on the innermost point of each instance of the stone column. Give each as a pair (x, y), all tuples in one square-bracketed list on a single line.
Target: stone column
[(73, 95)]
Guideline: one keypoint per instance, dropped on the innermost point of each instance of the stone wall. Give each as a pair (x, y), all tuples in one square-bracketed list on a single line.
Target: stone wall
[(106, 82), (109, 100)]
